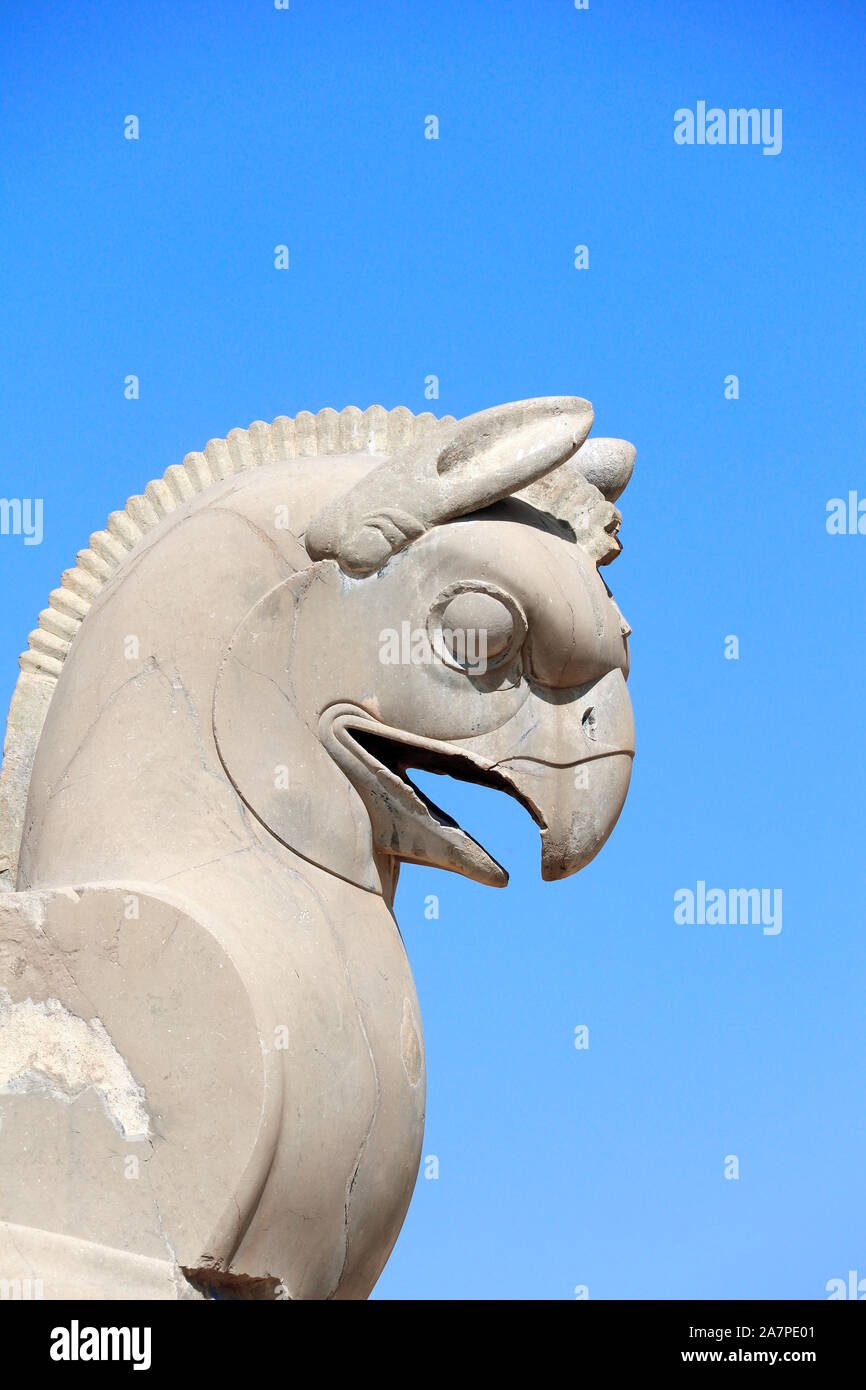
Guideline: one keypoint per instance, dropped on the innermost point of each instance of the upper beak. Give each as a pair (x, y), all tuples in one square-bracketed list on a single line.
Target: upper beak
[(570, 761), (577, 806)]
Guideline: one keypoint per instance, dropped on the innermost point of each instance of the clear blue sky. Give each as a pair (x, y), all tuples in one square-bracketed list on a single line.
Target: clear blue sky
[(411, 257)]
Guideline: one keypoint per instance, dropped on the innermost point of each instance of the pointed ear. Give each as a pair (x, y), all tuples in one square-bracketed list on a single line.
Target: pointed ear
[(456, 470)]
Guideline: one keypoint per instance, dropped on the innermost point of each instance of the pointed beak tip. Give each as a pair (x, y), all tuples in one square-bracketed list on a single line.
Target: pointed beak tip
[(553, 872), (550, 875)]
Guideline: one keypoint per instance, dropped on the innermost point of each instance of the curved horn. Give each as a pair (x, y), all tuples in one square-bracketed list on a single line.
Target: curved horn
[(459, 469)]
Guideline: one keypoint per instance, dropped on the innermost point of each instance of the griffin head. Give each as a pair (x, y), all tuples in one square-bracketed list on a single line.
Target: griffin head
[(453, 620)]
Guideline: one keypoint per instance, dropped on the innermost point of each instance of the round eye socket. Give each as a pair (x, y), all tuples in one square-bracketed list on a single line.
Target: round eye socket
[(476, 629), (476, 621)]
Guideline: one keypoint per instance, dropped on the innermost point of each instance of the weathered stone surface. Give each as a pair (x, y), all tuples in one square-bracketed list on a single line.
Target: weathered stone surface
[(211, 1056)]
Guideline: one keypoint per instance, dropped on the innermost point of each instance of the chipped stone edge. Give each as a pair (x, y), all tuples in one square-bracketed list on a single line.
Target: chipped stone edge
[(79, 1057)]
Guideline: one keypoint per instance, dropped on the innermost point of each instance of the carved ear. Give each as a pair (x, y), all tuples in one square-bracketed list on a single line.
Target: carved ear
[(456, 470)]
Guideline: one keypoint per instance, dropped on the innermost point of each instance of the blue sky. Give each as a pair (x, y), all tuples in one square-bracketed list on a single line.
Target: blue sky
[(409, 257)]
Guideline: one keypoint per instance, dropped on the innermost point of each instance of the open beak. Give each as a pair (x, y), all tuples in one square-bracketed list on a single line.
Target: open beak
[(566, 755)]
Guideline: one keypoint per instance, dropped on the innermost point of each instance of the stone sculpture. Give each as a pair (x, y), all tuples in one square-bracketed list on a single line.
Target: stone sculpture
[(211, 1059)]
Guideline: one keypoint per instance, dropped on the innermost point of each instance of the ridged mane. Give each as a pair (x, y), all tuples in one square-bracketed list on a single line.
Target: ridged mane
[(351, 431), (375, 431)]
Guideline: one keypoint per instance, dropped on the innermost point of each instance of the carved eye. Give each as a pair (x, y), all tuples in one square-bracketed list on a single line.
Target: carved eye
[(476, 627)]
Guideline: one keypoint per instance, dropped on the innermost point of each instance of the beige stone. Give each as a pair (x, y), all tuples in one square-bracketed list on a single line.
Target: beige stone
[(211, 1055)]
